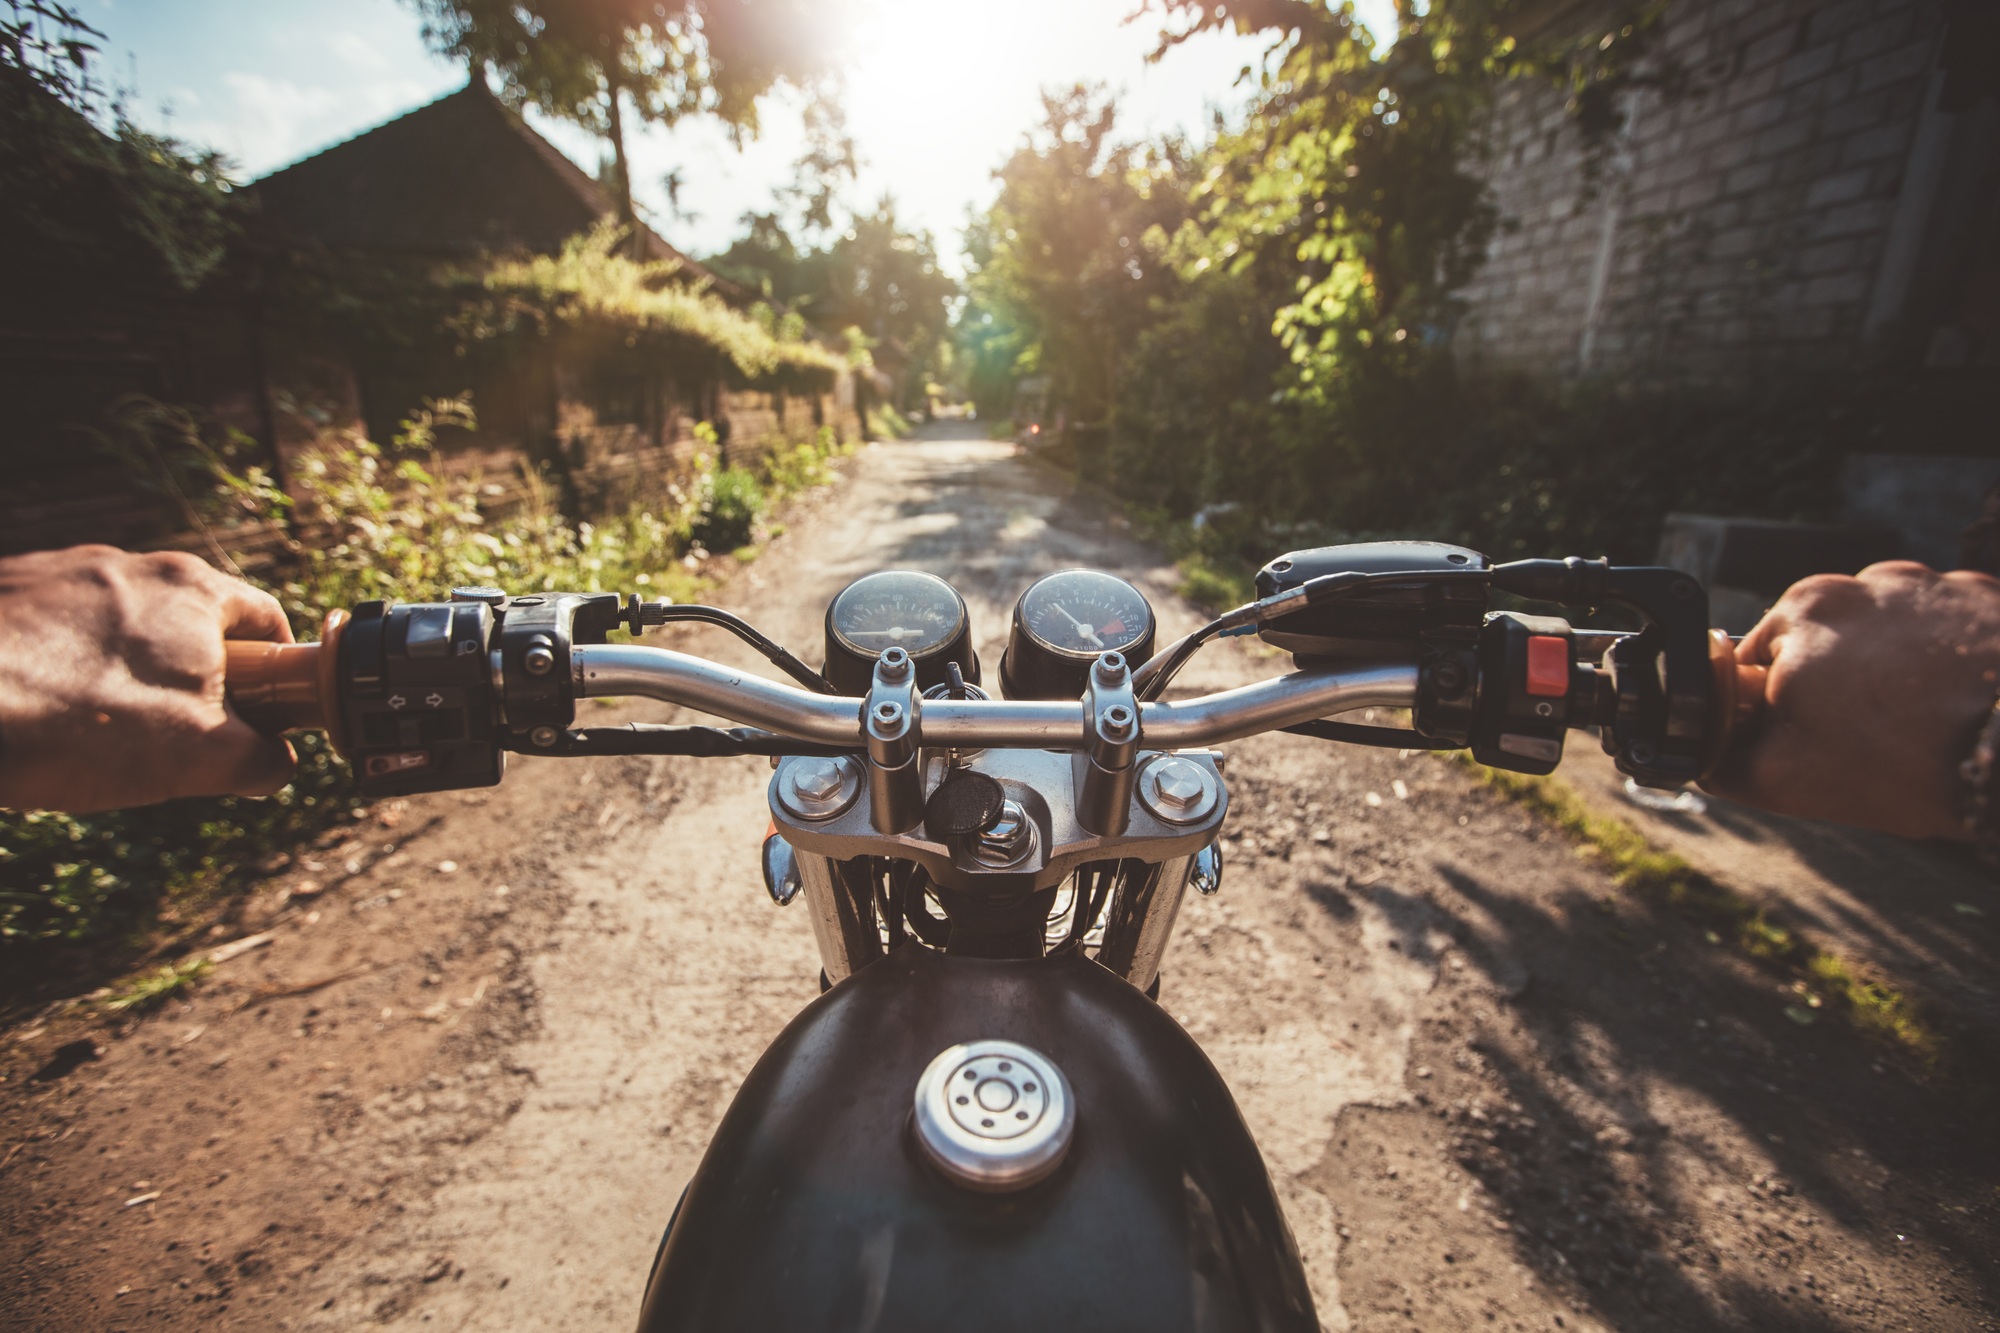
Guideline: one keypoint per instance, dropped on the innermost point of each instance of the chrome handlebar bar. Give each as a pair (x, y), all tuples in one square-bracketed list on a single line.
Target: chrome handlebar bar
[(607, 670)]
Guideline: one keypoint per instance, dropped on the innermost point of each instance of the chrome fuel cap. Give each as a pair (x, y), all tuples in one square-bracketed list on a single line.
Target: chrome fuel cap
[(994, 1115)]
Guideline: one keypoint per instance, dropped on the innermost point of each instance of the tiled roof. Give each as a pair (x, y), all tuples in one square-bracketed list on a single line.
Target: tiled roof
[(460, 176)]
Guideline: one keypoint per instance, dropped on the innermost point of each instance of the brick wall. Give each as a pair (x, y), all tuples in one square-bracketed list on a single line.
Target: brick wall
[(1763, 220)]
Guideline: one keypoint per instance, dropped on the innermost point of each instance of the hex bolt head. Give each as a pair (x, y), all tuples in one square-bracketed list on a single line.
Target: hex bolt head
[(888, 714), (817, 779), (1110, 668), (894, 664), (1178, 783), (1118, 721)]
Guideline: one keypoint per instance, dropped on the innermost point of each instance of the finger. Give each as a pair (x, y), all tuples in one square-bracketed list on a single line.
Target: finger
[(235, 759), (1759, 646), (268, 769), (252, 613)]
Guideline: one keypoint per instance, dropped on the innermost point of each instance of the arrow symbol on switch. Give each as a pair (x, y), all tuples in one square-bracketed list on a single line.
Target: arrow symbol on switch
[(397, 701), (434, 699)]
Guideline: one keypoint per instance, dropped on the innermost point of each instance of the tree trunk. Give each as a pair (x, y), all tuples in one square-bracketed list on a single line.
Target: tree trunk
[(621, 185)]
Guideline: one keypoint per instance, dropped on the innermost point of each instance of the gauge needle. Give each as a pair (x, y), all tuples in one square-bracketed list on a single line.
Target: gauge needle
[(891, 634), (1081, 628)]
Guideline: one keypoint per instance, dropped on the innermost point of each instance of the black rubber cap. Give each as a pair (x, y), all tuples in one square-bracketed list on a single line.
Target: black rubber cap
[(965, 802)]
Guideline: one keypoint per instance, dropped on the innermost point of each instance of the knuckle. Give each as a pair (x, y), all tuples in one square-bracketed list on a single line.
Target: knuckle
[(1897, 571), (176, 567)]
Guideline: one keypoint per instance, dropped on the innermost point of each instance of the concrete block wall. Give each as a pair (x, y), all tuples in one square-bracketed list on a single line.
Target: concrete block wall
[(1736, 229)]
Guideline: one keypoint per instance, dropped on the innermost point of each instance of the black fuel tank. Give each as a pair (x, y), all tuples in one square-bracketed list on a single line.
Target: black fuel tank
[(814, 1208)]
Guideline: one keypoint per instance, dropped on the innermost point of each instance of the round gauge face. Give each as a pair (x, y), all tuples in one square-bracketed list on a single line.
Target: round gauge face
[(1081, 613), (919, 613)]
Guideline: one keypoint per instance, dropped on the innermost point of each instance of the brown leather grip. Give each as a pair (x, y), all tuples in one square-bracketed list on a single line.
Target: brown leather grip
[(1737, 699), (287, 686)]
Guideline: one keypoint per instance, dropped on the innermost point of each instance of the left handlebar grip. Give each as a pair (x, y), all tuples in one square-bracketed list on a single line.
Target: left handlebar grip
[(287, 686)]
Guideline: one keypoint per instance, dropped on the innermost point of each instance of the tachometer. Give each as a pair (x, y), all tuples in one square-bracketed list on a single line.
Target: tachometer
[(898, 608), (1062, 623)]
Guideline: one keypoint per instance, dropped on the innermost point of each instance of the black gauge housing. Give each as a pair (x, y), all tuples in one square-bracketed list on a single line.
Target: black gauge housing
[(1063, 623), (898, 608)]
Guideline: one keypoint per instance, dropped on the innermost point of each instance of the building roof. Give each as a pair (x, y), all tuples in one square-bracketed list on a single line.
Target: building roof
[(461, 176)]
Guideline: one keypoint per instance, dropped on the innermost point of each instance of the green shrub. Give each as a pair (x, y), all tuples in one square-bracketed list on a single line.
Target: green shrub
[(886, 423), (732, 500)]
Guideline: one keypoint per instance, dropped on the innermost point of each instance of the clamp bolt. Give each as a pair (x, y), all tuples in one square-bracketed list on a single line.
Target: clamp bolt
[(1178, 791), (543, 736), (1178, 784), (540, 657), (894, 664), (1110, 668), (817, 779), (817, 788)]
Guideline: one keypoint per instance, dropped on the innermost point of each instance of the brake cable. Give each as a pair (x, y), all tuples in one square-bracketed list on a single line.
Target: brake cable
[(1150, 680)]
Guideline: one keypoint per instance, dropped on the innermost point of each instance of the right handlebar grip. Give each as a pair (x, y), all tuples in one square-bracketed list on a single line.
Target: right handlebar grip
[(1737, 698)]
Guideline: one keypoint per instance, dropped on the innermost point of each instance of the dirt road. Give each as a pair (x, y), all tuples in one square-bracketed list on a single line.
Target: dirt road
[(463, 1086)]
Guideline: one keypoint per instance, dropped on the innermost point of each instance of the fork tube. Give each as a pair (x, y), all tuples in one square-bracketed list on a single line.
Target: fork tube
[(841, 899), (1141, 918)]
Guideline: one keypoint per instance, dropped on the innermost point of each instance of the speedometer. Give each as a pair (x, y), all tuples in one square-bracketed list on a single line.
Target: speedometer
[(1062, 623), (898, 608)]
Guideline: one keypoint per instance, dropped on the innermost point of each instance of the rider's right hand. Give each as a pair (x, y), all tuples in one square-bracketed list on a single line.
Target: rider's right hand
[(1879, 685), (111, 681)]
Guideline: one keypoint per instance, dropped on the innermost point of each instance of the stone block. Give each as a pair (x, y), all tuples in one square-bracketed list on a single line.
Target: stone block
[(1754, 113), (1734, 242), (1909, 65), (1784, 137), (1864, 215), (1829, 257), (1743, 87), (1836, 289), (1755, 176), (1833, 20), (1884, 141), (1884, 51), (1808, 64), (1767, 48), (1842, 188), (1851, 115), (1766, 556), (1811, 163)]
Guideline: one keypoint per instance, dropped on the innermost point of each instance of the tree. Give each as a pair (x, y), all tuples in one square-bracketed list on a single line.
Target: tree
[(877, 276), (585, 61), (96, 210), (1068, 260)]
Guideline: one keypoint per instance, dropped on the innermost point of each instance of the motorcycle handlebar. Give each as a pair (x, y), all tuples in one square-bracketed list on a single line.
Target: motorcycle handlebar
[(278, 687)]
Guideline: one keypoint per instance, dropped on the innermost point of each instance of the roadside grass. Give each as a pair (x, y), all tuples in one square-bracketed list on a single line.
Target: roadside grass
[(1214, 585), (1820, 979), (152, 989)]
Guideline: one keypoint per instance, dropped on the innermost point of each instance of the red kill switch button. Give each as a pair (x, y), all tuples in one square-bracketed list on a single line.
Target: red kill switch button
[(1548, 665)]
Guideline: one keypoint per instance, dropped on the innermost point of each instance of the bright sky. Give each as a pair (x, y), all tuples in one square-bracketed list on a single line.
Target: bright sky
[(939, 92)]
